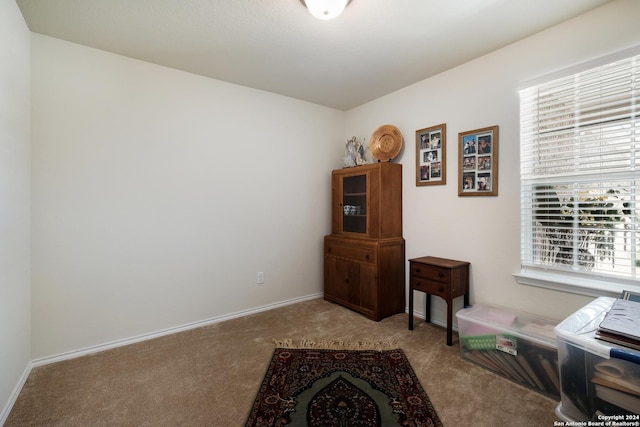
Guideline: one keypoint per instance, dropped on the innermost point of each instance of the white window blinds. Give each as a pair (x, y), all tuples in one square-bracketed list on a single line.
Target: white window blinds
[(580, 165)]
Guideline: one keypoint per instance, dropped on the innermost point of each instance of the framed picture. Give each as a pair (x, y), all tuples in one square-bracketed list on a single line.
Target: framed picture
[(478, 162), (431, 155)]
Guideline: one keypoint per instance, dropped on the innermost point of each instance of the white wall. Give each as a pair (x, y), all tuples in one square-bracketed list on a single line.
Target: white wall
[(486, 230), (158, 195), (15, 293)]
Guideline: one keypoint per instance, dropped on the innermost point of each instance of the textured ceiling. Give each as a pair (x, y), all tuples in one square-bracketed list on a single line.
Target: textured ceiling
[(375, 47)]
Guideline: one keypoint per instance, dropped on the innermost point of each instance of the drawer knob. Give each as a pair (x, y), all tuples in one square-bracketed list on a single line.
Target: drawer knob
[(366, 257), (441, 274), (417, 270), (440, 289), (328, 249)]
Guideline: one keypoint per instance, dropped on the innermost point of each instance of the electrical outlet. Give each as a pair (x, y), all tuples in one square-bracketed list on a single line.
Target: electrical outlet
[(260, 277)]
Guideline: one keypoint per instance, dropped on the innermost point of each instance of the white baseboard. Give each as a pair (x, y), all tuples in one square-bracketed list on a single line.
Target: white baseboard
[(14, 395), (119, 343)]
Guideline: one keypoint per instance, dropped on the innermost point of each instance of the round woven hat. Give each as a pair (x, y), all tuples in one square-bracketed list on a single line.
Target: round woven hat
[(386, 142)]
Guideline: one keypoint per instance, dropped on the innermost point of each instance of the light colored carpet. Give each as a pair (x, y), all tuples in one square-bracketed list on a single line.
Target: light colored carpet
[(210, 376)]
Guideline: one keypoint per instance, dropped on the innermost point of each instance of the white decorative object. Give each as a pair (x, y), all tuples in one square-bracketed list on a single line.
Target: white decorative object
[(355, 152)]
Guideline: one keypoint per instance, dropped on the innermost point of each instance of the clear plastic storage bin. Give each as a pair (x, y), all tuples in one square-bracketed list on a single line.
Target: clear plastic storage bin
[(597, 378), (516, 345)]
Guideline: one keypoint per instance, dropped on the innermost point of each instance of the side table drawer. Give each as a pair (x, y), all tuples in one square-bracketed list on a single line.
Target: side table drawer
[(431, 272), (428, 286)]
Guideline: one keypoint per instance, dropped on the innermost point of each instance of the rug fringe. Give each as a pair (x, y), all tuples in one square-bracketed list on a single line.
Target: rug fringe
[(334, 345)]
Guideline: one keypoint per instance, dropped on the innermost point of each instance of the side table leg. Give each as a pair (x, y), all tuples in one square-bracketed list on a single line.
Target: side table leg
[(410, 309), (427, 309), (449, 323)]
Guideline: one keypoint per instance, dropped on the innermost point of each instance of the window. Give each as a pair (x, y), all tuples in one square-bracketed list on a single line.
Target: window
[(580, 167)]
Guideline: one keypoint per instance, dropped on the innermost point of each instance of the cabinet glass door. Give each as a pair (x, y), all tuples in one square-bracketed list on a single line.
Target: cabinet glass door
[(354, 204)]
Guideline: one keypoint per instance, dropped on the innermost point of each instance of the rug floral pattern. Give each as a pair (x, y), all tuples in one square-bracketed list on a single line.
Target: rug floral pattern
[(318, 387)]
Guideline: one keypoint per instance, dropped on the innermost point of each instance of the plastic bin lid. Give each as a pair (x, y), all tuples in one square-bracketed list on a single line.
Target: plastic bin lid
[(580, 328), (512, 322)]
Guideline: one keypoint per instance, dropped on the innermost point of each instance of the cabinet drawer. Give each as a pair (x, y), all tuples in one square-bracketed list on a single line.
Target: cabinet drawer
[(430, 287), (351, 252), (431, 272)]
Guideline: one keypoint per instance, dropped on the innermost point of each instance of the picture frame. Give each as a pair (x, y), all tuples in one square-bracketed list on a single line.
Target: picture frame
[(431, 155), (478, 162)]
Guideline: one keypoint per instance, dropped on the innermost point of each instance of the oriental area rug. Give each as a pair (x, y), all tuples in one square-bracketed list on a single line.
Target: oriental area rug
[(340, 384)]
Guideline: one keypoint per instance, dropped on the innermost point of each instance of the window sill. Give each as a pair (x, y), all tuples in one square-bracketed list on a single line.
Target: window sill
[(573, 284)]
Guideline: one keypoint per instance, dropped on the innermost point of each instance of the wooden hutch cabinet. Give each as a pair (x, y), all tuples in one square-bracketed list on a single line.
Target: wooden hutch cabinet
[(364, 254)]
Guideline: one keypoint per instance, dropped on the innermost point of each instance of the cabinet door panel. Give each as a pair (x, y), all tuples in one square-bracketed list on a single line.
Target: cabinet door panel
[(347, 281), (368, 287), (354, 203), (329, 275)]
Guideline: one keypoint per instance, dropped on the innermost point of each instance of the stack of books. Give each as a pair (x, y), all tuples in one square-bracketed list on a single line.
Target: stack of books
[(621, 325), (618, 381)]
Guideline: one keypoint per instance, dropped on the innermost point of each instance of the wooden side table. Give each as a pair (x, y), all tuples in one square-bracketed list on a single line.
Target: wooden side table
[(446, 278)]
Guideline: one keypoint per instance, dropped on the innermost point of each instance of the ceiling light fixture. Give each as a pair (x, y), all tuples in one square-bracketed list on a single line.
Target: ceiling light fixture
[(325, 9)]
